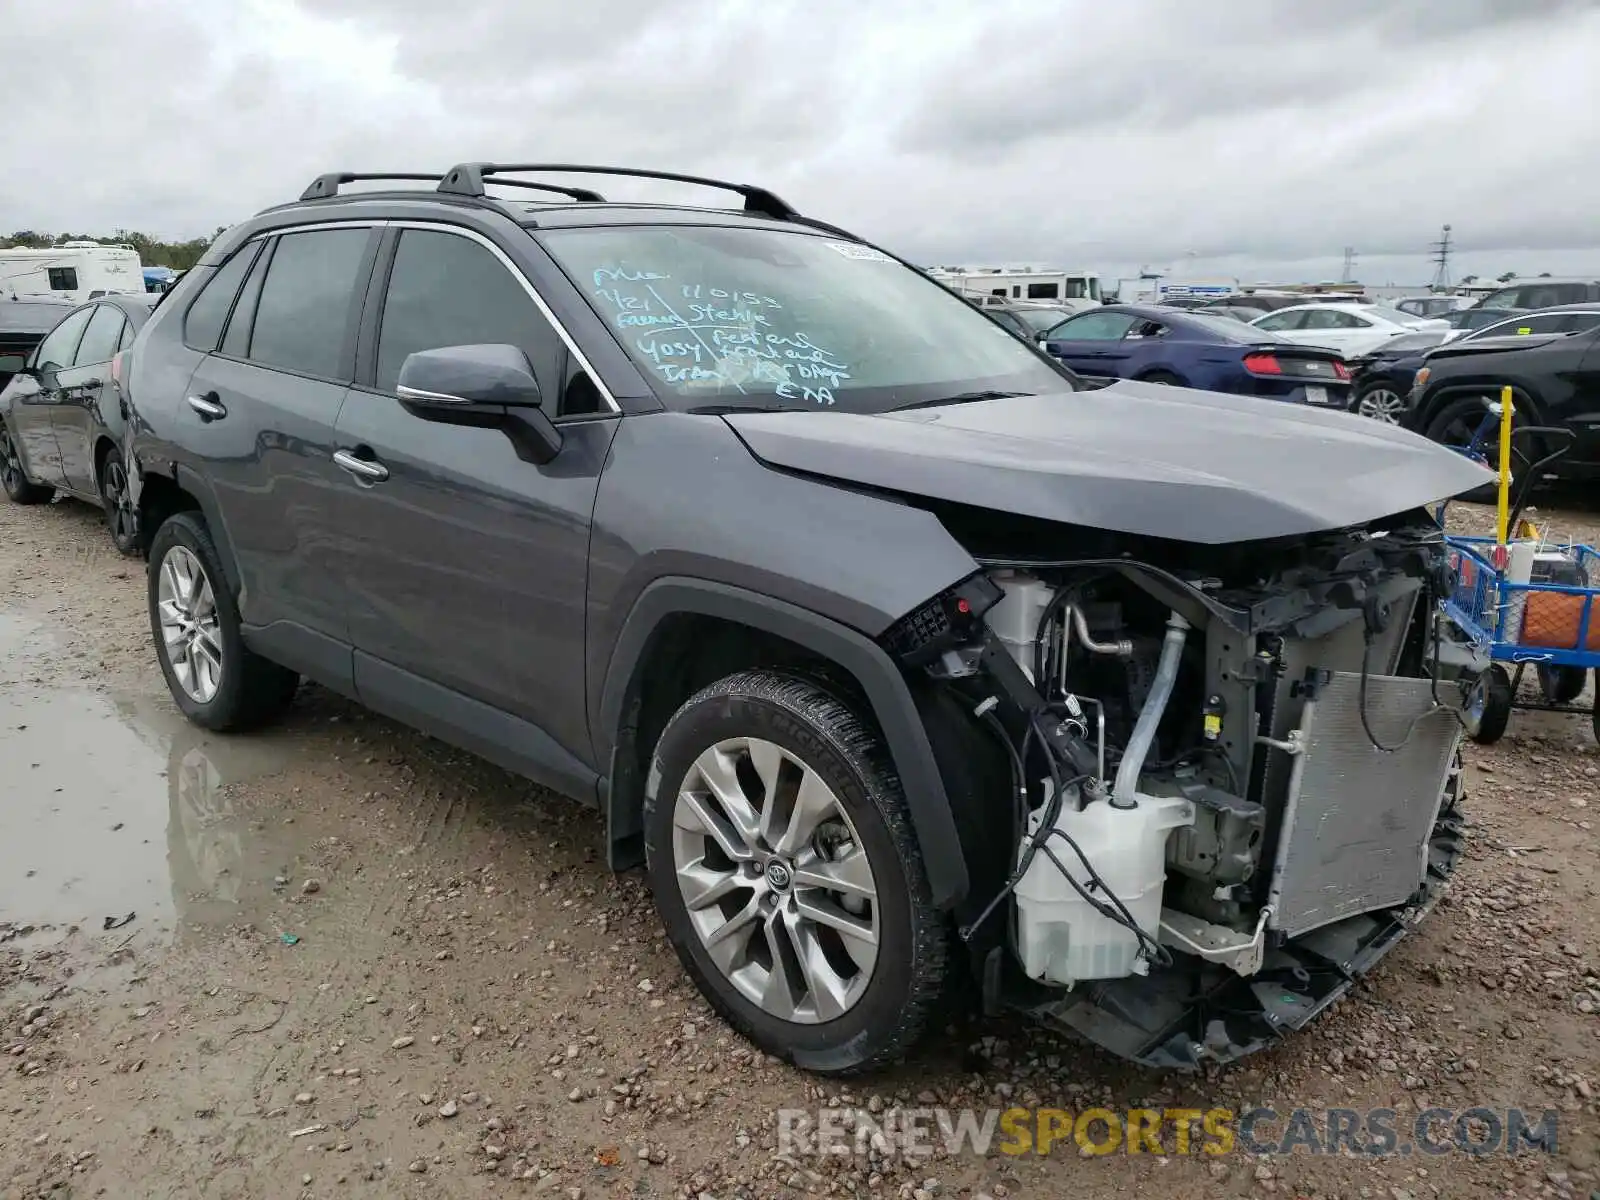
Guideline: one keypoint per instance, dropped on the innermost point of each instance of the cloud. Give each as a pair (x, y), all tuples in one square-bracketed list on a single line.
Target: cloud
[(1079, 131)]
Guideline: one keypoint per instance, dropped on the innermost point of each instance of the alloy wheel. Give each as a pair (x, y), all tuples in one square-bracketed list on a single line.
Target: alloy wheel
[(190, 629), (1382, 404), (119, 505), (776, 882), (10, 462)]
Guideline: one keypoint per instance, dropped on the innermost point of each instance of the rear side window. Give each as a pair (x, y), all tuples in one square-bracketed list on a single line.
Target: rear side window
[(62, 279), (303, 316), (101, 338), (208, 312), (445, 290)]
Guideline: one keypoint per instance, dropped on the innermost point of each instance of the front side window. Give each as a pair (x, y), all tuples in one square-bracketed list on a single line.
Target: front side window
[(1093, 327), (771, 318), (62, 279), (1044, 291), (60, 349), (446, 290), (101, 338), (304, 311)]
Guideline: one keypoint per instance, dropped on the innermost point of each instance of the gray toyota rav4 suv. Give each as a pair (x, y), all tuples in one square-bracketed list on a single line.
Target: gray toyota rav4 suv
[(897, 658)]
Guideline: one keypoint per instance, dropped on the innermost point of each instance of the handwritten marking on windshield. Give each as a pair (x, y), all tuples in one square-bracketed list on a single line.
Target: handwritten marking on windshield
[(718, 336)]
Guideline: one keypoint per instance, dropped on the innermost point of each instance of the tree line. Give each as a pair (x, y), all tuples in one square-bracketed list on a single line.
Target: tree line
[(153, 252)]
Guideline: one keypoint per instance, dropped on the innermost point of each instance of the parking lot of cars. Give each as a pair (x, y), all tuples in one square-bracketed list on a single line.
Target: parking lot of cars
[(890, 637)]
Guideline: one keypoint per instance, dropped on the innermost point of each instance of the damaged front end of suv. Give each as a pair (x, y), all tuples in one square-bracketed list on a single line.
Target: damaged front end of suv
[(1234, 779), (1232, 772)]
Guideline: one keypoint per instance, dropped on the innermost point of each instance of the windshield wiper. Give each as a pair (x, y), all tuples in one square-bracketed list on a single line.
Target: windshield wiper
[(962, 398), (717, 410)]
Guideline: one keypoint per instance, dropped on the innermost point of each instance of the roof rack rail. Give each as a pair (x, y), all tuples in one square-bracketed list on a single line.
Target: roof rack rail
[(468, 179), (324, 186), (328, 185)]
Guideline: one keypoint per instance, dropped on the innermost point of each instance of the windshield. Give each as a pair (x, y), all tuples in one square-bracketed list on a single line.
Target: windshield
[(1227, 329), (1386, 313), (1040, 319), (718, 316)]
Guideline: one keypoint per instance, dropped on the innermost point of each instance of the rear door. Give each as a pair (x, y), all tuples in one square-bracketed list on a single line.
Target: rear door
[(76, 415), (1088, 343), (261, 409), (34, 397)]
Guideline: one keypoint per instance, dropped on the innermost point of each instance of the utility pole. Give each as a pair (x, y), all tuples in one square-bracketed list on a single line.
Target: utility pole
[(1349, 275), (1441, 261)]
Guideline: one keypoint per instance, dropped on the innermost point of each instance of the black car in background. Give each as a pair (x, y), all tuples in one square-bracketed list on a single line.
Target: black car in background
[(63, 413), (1384, 378), (1555, 381)]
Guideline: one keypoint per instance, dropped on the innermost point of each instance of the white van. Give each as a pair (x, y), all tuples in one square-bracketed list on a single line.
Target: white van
[(75, 271)]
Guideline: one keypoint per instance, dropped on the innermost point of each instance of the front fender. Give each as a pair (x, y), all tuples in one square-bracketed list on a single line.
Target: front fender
[(872, 669)]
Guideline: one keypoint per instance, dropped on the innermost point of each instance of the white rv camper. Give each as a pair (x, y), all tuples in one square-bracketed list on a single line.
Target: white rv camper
[(1020, 283), (74, 271)]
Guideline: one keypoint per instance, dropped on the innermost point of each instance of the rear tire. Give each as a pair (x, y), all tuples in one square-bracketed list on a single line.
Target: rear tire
[(1165, 378), (215, 679), (1561, 685), (758, 929), (14, 479), (121, 520)]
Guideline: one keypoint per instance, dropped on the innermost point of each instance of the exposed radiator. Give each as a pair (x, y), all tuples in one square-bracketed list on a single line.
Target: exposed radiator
[(1357, 821)]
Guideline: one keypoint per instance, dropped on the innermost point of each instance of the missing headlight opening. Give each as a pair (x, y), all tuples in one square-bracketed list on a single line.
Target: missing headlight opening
[(1232, 778)]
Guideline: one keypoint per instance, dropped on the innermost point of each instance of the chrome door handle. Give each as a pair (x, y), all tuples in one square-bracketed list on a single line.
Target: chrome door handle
[(207, 408), (361, 468)]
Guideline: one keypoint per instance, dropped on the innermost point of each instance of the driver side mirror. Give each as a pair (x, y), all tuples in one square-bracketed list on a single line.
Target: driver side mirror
[(485, 386), (465, 375)]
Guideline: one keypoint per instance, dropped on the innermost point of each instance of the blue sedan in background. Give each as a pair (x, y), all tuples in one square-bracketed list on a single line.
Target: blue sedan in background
[(1187, 349)]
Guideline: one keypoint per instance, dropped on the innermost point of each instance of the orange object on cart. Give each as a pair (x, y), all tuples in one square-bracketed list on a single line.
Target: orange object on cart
[(1552, 620)]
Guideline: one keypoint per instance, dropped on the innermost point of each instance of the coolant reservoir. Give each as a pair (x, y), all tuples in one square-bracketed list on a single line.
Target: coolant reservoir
[(1061, 939)]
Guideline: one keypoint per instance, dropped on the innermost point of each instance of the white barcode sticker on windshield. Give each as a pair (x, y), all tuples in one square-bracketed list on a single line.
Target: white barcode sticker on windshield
[(860, 253)]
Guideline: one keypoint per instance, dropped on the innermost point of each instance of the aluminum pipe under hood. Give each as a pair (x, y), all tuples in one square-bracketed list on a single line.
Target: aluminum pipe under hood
[(1135, 458)]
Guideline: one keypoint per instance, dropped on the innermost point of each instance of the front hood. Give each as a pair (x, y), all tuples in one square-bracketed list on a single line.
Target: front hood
[(1495, 345), (1135, 458)]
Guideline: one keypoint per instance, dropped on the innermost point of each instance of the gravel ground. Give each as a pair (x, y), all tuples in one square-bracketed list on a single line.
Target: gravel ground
[(338, 958)]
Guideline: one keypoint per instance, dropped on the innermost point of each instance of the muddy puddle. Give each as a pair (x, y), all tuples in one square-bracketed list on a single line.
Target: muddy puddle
[(117, 815)]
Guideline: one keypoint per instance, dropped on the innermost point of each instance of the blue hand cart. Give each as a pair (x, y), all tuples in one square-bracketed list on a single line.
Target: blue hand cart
[(1499, 626)]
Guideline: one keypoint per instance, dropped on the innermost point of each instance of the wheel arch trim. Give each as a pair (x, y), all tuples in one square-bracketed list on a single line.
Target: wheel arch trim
[(893, 708)]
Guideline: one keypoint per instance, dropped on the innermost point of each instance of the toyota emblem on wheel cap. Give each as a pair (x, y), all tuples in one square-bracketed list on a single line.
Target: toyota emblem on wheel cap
[(777, 875)]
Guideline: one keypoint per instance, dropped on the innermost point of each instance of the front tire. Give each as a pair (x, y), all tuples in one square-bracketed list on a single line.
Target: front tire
[(786, 872), (12, 477), (1380, 402), (121, 520), (216, 680)]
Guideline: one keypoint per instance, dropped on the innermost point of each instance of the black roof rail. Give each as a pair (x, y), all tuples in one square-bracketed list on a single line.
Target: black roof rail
[(328, 185), (468, 179), (324, 186)]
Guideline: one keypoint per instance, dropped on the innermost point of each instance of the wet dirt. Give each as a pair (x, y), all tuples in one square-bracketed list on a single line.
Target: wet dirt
[(363, 963)]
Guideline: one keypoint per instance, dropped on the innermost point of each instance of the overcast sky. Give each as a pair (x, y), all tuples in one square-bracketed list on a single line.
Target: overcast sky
[(1242, 137)]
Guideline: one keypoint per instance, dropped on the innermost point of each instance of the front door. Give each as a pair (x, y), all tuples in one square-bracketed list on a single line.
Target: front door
[(35, 396), (1089, 342), (261, 410), (467, 564)]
